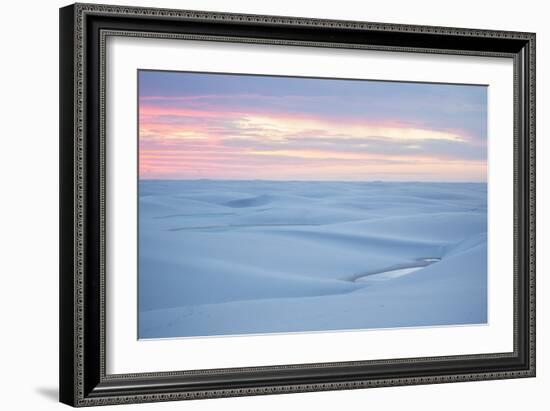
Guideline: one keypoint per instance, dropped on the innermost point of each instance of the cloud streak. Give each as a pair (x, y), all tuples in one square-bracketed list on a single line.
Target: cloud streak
[(217, 126)]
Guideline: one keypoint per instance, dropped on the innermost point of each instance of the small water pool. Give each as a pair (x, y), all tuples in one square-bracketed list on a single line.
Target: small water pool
[(397, 272)]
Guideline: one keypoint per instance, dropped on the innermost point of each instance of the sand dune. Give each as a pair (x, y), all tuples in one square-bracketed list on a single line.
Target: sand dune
[(235, 257)]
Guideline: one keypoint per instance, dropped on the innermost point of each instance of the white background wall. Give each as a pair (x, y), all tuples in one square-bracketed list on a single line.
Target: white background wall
[(29, 205)]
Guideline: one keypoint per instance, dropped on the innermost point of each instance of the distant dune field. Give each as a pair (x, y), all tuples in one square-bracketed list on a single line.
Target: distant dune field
[(240, 257)]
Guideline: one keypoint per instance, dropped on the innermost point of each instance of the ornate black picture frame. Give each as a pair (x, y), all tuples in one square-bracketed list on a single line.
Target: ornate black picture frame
[(83, 378)]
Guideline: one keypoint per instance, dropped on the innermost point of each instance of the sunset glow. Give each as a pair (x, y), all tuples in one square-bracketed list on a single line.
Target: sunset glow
[(221, 126)]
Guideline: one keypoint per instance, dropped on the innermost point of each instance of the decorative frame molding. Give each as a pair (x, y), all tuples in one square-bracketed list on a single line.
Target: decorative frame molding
[(83, 32)]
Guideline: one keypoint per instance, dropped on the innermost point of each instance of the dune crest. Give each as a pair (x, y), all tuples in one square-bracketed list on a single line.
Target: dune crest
[(238, 257)]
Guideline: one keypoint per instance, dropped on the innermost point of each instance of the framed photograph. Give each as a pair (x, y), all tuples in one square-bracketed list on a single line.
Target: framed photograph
[(261, 204)]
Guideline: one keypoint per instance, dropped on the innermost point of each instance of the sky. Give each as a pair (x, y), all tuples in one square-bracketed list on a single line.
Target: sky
[(248, 127)]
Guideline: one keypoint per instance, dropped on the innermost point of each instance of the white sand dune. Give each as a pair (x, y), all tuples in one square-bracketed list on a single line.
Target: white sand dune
[(236, 257)]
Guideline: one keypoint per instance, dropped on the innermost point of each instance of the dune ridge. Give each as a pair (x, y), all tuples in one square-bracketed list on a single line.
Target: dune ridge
[(237, 257)]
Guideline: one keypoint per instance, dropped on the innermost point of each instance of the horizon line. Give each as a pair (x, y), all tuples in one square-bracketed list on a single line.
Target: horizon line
[(312, 181)]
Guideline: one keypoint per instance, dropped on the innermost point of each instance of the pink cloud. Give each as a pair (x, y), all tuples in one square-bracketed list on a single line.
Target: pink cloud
[(196, 147)]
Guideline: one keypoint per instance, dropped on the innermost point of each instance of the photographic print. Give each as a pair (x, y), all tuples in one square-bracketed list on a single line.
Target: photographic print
[(276, 204)]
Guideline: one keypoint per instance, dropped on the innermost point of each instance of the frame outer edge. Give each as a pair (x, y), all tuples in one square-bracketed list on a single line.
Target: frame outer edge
[(244, 18), (72, 136), (532, 202), (67, 328)]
